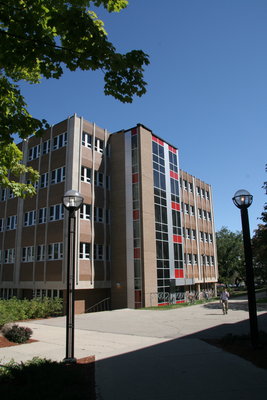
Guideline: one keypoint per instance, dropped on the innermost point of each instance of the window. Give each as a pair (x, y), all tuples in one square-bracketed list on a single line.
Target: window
[(42, 215), (210, 238), (84, 251), (189, 259), (40, 252), (85, 174), (186, 208), (192, 210), (201, 236), (184, 184), (27, 254), (46, 147), (198, 190), (190, 187), (86, 140), (56, 212), (55, 251), (11, 222), (34, 184), (98, 252), (209, 216), (204, 214), (202, 193), (98, 214), (1, 224), (99, 145), (29, 218), (194, 259), (199, 213), (85, 211), (207, 195), (99, 178), (211, 260), (44, 180), (60, 141), (193, 234), (10, 194), (187, 232), (34, 152), (9, 257), (3, 194), (58, 175), (205, 237)]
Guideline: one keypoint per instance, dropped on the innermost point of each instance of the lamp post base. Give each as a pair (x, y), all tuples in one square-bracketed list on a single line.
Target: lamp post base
[(70, 360)]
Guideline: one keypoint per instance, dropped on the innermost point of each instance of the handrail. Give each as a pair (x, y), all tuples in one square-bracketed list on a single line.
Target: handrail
[(103, 305)]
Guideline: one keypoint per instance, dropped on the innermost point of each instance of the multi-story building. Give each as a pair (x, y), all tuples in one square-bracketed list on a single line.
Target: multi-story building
[(145, 232)]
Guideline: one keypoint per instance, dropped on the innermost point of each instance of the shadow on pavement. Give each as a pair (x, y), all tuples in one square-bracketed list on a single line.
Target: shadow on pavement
[(185, 368)]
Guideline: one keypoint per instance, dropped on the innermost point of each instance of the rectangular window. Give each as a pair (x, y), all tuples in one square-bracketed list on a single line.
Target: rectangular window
[(30, 218), (98, 252), (55, 251), (3, 194), (84, 251), (44, 180), (209, 216), (27, 254), (10, 194), (186, 208), (11, 222), (46, 147), (85, 211), (201, 236), (210, 238), (1, 224), (60, 141), (85, 174), (99, 179), (56, 212), (202, 193), (205, 237), (190, 187), (184, 184), (193, 234), (192, 210), (199, 213), (58, 175), (207, 195), (187, 232), (198, 190), (42, 215), (9, 257), (99, 145), (98, 214), (86, 140), (40, 252), (34, 152), (204, 213), (194, 259)]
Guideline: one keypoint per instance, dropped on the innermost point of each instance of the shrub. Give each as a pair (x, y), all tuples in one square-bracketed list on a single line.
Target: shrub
[(17, 334)]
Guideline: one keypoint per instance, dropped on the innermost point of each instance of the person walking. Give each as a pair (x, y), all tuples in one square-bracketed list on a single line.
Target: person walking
[(224, 300)]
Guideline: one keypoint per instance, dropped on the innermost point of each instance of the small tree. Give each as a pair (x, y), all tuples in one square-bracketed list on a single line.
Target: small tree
[(230, 256)]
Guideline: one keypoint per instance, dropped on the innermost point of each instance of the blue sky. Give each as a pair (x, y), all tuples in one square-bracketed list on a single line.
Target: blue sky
[(206, 93)]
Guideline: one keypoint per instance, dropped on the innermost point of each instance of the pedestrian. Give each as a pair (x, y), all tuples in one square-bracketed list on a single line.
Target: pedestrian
[(224, 300)]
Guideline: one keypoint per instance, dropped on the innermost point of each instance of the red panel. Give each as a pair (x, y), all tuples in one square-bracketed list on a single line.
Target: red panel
[(137, 253), (179, 273), (157, 140), (180, 301), (164, 304), (135, 178), (134, 131), (136, 214), (174, 175), (172, 149), (175, 206), (177, 239)]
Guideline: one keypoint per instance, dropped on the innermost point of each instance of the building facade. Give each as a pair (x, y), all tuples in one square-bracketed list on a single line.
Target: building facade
[(145, 232)]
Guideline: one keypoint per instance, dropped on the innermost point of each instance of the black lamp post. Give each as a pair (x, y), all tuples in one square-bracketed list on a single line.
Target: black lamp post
[(72, 201), (243, 199)]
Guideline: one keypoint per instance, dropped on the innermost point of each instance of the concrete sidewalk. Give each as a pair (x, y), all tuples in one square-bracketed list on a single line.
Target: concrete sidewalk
[(144, 354)]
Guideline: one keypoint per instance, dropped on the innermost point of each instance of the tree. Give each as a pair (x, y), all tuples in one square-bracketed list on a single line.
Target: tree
[(259, 244), (230, 256), (38, 39)]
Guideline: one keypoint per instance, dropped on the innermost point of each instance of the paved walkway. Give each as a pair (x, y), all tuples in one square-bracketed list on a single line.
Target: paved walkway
[(153, 355)]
